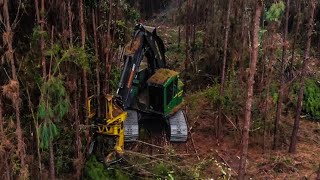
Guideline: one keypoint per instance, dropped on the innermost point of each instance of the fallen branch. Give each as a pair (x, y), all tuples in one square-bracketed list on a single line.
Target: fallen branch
[(189, 131), (230, 121), (149, 144), (155, 158), (226, 163)]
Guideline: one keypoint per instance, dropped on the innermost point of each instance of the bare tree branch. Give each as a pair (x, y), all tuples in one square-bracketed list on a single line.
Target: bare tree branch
[(17, 19)]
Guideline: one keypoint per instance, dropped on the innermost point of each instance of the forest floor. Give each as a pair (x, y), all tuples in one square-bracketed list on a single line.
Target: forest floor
[(262, 164), (203, 148)]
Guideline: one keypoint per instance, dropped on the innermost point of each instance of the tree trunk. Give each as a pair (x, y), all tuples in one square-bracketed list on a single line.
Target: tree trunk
[(293, 143), (243, 39), (16, 99), (194, 30), (3, 154), (187, 21), (84, 72), (77, 127), (36, 3), (85, 85), (1, 117), (247, 115), (42, 43), (179, 28), (205, 36), (282, 76), (108, 42), (36, 125), (52, 167), (70, 23), (225, 50), (179, 36), (97, 59), (296, 33), (40, 19), (318, 173)]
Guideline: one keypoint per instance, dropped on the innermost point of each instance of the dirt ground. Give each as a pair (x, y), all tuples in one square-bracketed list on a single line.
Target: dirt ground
[(261, 164)]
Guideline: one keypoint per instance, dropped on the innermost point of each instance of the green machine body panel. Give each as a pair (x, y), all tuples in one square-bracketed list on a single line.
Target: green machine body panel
[(173, 91)]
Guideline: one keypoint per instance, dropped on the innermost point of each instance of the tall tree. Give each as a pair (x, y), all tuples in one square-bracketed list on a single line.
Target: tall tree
[(14, 86), (70, 20), (85, 84), (293, 142), (248, 106), (282, 78), (84, 71), (3, 155), (296, 33), (41, 21), (224, 62), (188, 29), (179, 28), (194, 34), (96, 51), (1, 116), (244, 28), (108, 48)]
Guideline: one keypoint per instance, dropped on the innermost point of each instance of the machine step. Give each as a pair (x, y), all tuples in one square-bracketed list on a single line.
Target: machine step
[(178, 127), (131, 126)]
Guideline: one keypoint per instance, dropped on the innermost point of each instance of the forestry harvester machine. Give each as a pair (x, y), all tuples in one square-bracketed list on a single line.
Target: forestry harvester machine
[(147, 91)]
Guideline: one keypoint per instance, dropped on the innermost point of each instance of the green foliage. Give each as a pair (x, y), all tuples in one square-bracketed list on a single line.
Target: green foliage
[(311, 99), (120, 29), (213, 94), (47, 132), (275, 12), (95, 170), (131, 14), (114, 78), (53, 50), (274, 92), (76, 55), (64, 154), (261, 38), (53, 105), (164, 170), (311, 102), (231, 100), (37, 33)]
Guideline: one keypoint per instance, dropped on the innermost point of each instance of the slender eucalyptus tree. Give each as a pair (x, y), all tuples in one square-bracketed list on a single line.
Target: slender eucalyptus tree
[(248, 106), (294, 138)]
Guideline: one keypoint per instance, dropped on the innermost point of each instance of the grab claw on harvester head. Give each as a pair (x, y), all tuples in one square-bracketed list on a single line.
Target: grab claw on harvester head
[(110, 129)]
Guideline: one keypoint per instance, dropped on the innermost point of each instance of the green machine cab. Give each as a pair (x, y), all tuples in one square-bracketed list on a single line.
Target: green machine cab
[(165, 91)]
